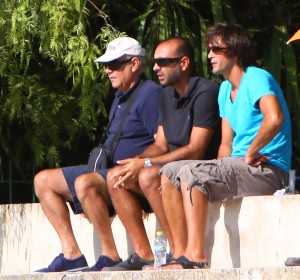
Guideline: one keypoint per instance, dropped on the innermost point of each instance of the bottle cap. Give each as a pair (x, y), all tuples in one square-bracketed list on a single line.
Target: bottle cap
[(159, 233)]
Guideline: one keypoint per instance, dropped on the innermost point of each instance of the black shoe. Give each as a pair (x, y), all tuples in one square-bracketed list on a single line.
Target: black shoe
[(169, 257), (134, 262), (292, 262), (102, 262)]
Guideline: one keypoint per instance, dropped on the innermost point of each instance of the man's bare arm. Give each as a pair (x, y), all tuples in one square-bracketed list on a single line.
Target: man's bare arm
[(271, 124), (225, 148)]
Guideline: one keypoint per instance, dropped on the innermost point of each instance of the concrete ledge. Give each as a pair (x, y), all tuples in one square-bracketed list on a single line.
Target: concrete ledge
[(211, 274), (254, 232)]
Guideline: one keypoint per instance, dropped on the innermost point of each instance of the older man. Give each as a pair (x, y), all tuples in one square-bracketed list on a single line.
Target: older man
[(87, 191)]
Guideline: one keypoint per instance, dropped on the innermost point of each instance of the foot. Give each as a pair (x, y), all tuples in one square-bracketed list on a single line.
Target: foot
[(60, 263), (134, 262), (179, 263), (169, 258), (102, 262)]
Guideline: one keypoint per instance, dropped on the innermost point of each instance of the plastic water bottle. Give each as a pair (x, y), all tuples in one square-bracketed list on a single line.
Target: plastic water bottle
[(292, 178), (160, 249)]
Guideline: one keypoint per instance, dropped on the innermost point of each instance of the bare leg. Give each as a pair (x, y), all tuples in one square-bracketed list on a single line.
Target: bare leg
[(129, 210), (52, 191), (149, 181), (93, 195), (196, 216), (174, 211)]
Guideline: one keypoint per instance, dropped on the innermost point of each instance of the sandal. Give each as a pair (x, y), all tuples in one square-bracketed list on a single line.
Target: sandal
[(187, 264)]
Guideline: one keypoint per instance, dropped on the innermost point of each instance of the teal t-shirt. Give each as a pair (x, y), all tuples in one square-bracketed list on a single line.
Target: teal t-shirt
[(245, 116)]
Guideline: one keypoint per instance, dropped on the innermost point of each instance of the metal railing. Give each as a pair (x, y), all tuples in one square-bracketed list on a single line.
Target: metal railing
[(10, 181)]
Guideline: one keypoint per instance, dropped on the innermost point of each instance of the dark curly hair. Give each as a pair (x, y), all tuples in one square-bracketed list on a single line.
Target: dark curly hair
[(238, 43)]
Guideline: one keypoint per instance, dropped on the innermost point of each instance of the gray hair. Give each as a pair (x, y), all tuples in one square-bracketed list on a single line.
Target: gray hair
[(142, 59)]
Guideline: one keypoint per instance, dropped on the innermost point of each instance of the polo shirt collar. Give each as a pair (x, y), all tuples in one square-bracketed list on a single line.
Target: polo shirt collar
[(119, 94), (192, 84)]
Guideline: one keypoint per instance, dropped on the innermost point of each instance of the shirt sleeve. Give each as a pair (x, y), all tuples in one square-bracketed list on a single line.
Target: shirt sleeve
[(264, 84), (206, 109), (149, 112)]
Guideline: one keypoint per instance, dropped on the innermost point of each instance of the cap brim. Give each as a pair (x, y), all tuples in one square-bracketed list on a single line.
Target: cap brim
[(108, 57)]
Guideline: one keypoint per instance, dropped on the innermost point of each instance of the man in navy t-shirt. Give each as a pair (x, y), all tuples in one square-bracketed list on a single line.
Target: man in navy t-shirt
[(124, 62)]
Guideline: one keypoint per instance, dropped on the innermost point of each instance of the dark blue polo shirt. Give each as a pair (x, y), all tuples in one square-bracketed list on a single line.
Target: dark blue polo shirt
[(198, 107), (141, 123)]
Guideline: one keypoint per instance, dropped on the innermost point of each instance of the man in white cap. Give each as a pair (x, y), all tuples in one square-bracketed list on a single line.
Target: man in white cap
[(86, 191)]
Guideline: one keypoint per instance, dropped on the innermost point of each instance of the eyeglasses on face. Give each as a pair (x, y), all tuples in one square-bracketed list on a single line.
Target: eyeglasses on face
[(216, 49), (116, 64), (166, 61)]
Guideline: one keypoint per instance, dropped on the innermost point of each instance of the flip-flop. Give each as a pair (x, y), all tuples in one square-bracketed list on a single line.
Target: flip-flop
[(187, 264)]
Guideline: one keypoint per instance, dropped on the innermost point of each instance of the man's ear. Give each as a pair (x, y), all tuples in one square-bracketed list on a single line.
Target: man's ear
[(135, 64), (185, 62)]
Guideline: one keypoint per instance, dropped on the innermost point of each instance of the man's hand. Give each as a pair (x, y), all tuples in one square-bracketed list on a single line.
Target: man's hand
[(129, 172), (255, 159)]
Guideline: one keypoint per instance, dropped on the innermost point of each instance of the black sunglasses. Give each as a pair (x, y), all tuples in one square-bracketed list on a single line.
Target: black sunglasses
[(166, 61), (216, 49), (115, 64)]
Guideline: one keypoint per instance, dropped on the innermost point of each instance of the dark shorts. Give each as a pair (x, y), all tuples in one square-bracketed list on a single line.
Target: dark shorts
[(227, 178), (72, 172)]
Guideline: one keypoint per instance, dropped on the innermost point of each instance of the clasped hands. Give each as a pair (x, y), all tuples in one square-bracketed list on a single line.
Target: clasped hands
[(128, 173)]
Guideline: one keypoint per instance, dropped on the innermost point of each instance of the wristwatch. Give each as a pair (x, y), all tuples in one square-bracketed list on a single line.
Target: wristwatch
[(147, 162)]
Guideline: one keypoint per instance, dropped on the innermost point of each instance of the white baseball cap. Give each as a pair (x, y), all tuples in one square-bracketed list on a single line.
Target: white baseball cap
[(121, 46)]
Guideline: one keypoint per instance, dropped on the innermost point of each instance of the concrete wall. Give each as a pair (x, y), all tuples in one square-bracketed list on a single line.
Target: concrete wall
[(253, 232)]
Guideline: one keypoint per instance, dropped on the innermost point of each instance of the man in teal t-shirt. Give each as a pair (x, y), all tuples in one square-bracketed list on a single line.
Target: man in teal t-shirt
[(245, 116), (255, 152)]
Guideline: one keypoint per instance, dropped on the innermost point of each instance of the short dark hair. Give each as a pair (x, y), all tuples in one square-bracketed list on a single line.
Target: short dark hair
[(184, 48), (238, 43)]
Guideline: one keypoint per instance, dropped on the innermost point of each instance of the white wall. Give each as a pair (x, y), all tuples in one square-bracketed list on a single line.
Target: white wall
[(253, 232)]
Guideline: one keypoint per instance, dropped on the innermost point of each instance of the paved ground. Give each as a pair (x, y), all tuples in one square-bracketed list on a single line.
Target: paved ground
[(281, 273)]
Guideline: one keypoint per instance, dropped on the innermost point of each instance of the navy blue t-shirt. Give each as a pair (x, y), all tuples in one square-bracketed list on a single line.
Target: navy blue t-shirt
[(141, 123)]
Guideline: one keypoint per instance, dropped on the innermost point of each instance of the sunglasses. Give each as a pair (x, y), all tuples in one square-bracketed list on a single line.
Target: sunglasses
[(116, 64), (166, 61), (216, 49)]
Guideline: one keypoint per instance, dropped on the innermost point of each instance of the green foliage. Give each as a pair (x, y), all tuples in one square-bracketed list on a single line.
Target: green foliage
[(53, 97), (163, 19), (52, 94)]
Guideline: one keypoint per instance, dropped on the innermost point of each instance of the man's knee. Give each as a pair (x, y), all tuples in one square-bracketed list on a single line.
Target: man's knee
[(149, 178), (81, 185), (41, 180), (111, 178), (89, 184)]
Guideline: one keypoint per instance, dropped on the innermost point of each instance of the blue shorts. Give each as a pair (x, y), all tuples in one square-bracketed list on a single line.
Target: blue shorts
[(70, 174)]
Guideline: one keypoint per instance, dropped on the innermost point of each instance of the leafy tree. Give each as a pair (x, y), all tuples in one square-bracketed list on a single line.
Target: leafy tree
[(53, 97), (52, 92)]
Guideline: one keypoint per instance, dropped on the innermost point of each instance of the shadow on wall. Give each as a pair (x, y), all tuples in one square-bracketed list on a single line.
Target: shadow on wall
[(122, 240), (213, 217), (13, 228), (231, 221), (3, 225), (231, 213)]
